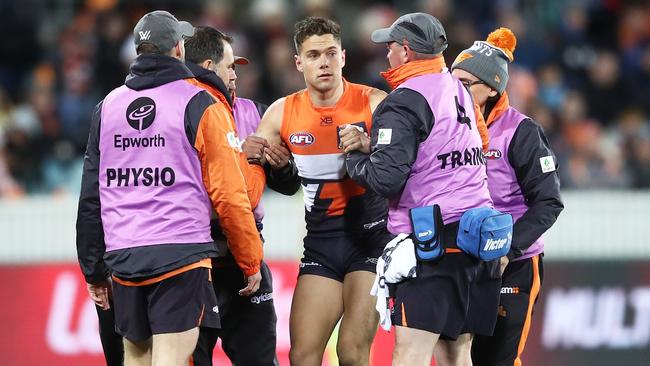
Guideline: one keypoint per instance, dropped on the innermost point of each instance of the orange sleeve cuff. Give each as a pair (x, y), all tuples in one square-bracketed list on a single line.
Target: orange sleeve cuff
[(482, 127)]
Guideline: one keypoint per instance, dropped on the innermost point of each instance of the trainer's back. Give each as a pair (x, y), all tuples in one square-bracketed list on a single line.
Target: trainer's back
[(449, 169)]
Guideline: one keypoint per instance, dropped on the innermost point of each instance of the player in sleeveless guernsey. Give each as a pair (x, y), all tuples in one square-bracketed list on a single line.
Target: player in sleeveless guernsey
[(523, 181), (345, 222), (159, 158), (425, 149)]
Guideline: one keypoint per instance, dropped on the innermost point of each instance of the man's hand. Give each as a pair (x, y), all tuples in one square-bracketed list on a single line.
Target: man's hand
[(277, 156), (353, 138), (253, 147), (100, 293), (503, 263), (253, 284)]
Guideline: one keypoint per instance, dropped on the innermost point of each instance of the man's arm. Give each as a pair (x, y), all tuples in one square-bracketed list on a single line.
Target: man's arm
[(266, 146), (224, 182), (271, 123), (90, 232), (536, 168), (399, 124), (284, 180)]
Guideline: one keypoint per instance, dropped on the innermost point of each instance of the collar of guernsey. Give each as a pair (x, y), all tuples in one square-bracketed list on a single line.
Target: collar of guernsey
[(398, 75), (502, 105), (341, 101)]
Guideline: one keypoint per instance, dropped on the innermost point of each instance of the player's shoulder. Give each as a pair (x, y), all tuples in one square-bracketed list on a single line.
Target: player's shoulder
[(367, 90), (375, 97), (375, 93), (276, 109)]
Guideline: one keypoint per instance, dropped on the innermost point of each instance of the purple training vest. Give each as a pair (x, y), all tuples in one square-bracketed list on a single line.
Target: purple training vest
[(247, 118), (150, 183), (502, 180), (449, 169)]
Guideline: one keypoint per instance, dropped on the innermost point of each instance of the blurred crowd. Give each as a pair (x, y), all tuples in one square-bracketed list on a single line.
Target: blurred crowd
[(581, 70)]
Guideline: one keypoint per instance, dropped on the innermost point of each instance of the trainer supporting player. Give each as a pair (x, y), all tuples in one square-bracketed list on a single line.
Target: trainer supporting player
[(425, 151)]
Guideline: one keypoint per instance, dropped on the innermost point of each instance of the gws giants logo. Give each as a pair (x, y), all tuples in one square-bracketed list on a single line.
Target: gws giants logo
[(302, 139), (492, 154), (141, 113)]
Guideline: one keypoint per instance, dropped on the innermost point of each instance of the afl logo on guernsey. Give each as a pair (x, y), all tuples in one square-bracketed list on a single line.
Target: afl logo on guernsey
[(492, 154), (301, 139), (141, 113)]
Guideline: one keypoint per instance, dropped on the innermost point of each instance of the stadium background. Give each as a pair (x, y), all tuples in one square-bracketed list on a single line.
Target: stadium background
[(582, 70)]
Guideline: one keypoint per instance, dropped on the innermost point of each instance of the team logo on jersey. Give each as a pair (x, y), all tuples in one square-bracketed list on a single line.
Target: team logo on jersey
[(492, 154), (141, 113), (326, 121), (302, 139)]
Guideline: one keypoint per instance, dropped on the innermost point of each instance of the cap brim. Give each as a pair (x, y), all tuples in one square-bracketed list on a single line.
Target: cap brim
[(186, 29), (381, 36), (241, 60)]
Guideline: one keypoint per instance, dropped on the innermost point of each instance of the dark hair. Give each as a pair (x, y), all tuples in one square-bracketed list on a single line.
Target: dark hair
[(206, 43), (314, 26), (149, 48)]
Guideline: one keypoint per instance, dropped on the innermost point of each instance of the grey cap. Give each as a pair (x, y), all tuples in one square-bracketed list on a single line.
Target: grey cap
[(423, 32), (161, 29), (487, 62)]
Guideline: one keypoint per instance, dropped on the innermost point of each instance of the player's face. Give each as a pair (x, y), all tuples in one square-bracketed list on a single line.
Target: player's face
[(321, 61), (480, 91), (232, 84), (396, 54), (225, 68)]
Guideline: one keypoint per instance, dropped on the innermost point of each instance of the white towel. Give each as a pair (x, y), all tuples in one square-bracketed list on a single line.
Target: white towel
[(400, 255)]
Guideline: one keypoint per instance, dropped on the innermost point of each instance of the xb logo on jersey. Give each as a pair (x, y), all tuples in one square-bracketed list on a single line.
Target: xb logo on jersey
[(302, 139), (326, 121), (141, 113)]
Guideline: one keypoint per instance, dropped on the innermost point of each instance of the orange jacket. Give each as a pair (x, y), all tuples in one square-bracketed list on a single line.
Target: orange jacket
[(253, 174), (224, 169)]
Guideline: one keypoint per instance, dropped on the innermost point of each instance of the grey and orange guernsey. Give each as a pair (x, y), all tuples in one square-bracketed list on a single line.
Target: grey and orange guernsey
[(334, 203), (160, 157)]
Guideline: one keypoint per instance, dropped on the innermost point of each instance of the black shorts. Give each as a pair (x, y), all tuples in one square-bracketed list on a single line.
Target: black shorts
[(112, 343), (454, 295), (247, 333), (173, 305), (334, 257), (519, 291)]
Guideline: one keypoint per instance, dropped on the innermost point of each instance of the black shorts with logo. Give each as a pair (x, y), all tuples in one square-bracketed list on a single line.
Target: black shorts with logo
[(334, 257), (454, 295), (248, 335), (173, 305), (520, 289)]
